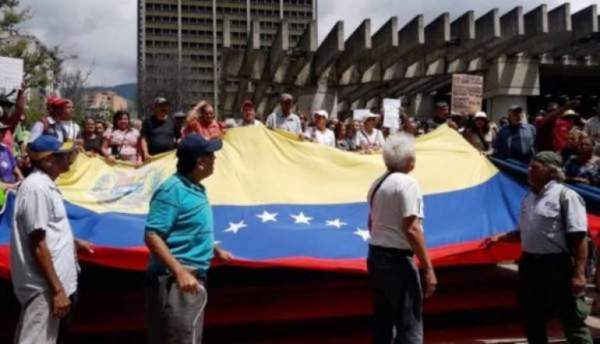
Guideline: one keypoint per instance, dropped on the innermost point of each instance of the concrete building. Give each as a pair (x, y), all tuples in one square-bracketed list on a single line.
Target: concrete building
[(103, 103), (180, 41), (525, 56)]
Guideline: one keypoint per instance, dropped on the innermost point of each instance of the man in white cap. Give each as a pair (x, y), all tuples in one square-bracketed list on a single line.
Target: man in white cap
[(319, 133), (285, 119)]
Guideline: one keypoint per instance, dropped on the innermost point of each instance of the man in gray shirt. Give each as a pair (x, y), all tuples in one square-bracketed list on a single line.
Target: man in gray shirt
[(43, 262), (285, 119), (553, 234)]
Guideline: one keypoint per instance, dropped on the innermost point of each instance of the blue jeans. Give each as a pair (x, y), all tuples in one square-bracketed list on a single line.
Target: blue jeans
[(397, 296)]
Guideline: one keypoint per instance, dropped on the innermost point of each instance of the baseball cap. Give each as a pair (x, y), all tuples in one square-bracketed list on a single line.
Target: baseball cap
[(287, 96), (179, 114), (321, 113), (160, 100), (46, 145), (441, 104), (570, 113), (515, 107), (549, 158), (247, 103), (194, 146), (56, 102), (481, 114)]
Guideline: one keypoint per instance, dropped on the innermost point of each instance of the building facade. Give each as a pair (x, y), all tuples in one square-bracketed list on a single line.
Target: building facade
[(102, 103), (180, 42)]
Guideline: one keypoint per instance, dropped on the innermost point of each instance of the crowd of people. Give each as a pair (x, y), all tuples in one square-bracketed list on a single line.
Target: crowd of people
[(179, 230)]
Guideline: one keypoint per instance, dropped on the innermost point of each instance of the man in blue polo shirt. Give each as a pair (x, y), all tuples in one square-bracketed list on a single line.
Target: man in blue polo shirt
[(179, 235)]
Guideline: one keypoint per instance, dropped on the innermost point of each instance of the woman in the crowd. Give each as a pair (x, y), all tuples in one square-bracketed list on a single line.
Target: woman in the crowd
[(572, 144), (92, 142), (479, 134), (122, 141), (370, 139), (583, 166), (319, 133), (100, 128)]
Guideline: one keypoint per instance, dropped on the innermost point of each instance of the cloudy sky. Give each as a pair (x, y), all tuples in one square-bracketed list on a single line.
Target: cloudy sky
[(102, 33)]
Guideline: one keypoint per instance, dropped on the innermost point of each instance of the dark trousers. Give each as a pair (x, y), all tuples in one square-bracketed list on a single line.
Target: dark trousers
[(544, 293), (397, 296), (172, 316)]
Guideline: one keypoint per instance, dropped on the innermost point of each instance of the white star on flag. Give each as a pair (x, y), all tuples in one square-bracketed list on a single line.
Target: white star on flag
[(235, 227), (301, 218), (364, 234), (267, 217), (337, 223)]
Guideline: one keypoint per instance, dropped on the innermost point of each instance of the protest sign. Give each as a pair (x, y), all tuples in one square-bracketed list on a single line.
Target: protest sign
[(391, 113), (11, 74), (467, 93)]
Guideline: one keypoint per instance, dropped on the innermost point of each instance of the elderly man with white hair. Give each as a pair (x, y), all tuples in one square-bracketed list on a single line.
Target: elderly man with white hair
[(395, 225), (319, 133), (285, 119)]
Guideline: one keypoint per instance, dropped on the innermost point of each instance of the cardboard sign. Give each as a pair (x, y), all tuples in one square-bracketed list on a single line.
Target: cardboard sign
[(391, 113), (467, 93), (360, 114), (11, 74)]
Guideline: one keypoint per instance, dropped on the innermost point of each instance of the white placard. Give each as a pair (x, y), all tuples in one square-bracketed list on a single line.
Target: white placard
[(360, 114), (391, 113), (467, 94), (11, 74)]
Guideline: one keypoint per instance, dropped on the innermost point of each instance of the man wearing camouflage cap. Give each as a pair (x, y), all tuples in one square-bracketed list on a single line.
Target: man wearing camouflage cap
[(552, 231)]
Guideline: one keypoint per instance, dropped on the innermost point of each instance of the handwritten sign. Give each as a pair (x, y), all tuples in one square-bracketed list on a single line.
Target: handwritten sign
[(360, 114), (467, 93), (11, 74), (391, 113)]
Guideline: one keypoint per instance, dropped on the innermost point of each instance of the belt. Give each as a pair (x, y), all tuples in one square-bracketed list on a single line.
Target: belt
[(545, 256), (392, 250)]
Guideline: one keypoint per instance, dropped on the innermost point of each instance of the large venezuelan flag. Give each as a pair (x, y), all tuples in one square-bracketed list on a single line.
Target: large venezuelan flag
[(280, 202)]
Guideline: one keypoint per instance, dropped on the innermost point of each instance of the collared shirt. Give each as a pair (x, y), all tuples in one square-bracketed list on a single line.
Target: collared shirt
[(516, 142), (541, 221), (211, 131), (182, 216), (325, 137), (398, 197), (290, 123), (123, 144), (39, 206), (592, 128), (7, 165)]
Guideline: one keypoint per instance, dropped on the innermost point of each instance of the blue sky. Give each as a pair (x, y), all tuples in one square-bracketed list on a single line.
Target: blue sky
[(102, 33)]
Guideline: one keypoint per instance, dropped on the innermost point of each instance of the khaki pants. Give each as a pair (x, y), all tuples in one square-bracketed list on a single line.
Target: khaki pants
[(36, 323)]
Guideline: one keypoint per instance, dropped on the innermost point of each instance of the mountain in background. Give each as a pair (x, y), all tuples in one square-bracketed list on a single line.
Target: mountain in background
[(127, 91)]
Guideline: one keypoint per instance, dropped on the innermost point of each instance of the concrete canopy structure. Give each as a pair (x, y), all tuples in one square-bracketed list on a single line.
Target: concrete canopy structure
[(413, 61)]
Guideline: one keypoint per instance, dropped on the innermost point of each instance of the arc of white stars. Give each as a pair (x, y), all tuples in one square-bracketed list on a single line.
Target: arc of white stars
[(267, 217), (337, 223), (301, 219), (364, 234), (236, 227)]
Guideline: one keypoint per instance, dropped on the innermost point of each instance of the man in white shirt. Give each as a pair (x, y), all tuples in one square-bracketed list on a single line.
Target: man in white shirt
[(248, 115), (285, 119), (395, 225), (552, 231), (43, 263), (319, 133)]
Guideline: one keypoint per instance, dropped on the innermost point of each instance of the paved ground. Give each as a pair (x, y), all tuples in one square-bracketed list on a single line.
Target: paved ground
[(473, 305)]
